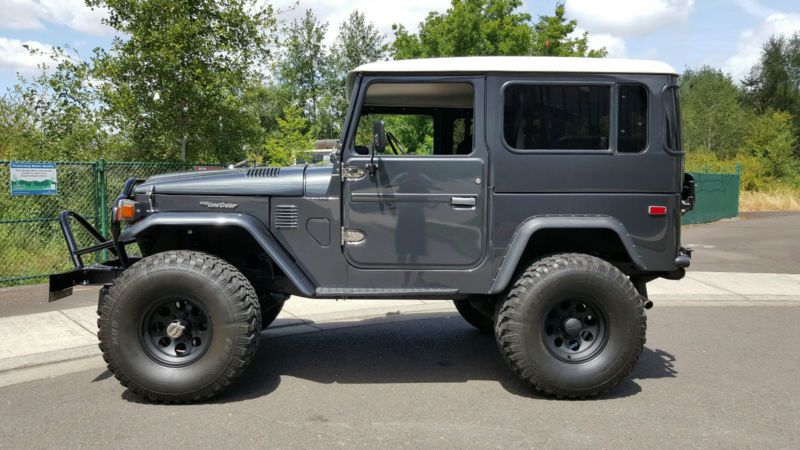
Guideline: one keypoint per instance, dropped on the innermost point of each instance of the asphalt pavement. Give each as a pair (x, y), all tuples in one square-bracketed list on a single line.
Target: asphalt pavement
[(719, 370), (708, 377), (765, 242)]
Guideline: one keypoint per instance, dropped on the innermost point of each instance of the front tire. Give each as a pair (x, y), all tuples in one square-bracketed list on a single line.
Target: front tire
[(572, 326), (179, 326)]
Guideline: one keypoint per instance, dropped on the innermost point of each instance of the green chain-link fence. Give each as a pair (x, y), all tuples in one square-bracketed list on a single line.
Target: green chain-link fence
[(31, 243)]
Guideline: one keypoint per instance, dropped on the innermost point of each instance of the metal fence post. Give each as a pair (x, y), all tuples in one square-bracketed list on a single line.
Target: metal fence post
[(96, 201), (101, 174), (738, 185)]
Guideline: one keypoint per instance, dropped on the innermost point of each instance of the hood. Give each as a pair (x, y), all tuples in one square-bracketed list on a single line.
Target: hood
[(273, 181)]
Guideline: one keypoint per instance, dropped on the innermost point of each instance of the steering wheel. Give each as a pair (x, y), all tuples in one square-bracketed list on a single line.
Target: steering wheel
[(397, 147)]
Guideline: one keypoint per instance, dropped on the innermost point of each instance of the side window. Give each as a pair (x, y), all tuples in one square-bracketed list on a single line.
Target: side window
[(426, 118), (556, 117), (632, 134), (414, 131), (673, 113)]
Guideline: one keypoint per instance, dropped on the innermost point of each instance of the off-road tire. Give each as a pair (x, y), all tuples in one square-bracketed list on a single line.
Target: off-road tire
[(473, 316), (232, 308), (521, 331)]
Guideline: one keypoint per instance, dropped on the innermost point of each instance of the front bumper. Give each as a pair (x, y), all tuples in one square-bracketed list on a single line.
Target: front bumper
[(61, 284)]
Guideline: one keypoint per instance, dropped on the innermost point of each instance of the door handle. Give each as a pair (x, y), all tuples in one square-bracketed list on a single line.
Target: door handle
[(463, 201)]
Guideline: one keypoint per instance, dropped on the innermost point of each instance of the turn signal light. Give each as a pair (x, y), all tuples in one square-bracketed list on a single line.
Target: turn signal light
[(657, 210), (126, 210)]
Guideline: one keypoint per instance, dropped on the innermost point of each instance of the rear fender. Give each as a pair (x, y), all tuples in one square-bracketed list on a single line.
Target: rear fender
[(527, 229)]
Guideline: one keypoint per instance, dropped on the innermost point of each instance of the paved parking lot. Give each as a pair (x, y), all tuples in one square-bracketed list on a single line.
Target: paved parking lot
[(709, 376), (719, 370), (766, 242)]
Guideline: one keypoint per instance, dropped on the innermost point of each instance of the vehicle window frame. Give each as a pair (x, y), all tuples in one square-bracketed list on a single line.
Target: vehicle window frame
[(349, 148), (650, 116), (612, 121), (675, 98)]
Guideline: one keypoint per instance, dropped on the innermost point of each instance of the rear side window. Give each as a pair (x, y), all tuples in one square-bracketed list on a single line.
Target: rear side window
[(556, 117), (673, 112), (632, 133)]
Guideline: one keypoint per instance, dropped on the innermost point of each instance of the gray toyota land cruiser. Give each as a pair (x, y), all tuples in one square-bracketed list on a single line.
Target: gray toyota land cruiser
[(540, 195)]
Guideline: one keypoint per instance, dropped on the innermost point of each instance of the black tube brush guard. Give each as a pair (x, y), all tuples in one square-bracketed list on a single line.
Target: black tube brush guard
[(61, 284)]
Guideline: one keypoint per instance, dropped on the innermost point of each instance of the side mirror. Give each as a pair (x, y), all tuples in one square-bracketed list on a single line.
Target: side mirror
[(378, 137)]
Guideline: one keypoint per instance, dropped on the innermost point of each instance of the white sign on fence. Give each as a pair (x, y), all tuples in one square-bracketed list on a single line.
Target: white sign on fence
[(34, 178)]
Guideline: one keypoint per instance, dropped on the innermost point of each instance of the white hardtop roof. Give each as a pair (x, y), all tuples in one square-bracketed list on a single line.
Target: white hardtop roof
[(533, 64)]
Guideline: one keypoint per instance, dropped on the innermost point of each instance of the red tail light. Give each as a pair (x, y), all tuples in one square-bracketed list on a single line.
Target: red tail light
[(657, 210)]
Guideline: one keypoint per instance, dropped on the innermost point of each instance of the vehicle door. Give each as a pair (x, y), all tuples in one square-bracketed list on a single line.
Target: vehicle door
[(422, 201)]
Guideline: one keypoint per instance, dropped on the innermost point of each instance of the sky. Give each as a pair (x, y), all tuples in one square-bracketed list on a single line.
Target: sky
[(685, 33)]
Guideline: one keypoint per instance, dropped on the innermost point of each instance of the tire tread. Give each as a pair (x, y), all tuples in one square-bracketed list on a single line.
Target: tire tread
[(239, 292), (509, 341)]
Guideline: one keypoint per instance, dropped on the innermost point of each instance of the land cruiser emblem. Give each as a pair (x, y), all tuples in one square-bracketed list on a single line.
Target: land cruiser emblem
[(223, 205)]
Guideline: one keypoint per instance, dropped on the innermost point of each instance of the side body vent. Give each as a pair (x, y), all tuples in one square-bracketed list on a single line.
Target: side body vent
[(285, 217), (264, 172)]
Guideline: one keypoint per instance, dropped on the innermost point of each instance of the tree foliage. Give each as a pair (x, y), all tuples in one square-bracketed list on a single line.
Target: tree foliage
[(289, 142), (303, 67), (358, 42), (713, 115), (491, 27), (174, 78)]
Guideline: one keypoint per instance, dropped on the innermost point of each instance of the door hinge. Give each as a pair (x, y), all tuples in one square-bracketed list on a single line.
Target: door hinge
[(353, 172)]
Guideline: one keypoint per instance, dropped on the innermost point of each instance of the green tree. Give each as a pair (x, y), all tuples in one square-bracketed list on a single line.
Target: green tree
[(714, 118), (54, 115), (289, 142), (303, 69), (555, 36), (468, 28), (774, 82), (358, 42), (491, 27), (771, 139), (18, 137), (174, 78)]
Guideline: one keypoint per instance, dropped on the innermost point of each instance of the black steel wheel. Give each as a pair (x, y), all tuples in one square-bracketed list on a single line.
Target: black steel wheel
[(575, 330), (176, 331), (572, 326), (179, 326)]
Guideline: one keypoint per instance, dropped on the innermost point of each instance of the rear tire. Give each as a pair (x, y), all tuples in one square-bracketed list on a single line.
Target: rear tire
[(179, 326), (572, 326), (474, 316)]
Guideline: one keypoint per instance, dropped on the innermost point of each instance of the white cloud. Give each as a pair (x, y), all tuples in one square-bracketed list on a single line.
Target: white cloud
[(74, 14), (614, 44), (15, 57), (755, 8), (748, 49), (628, 17)]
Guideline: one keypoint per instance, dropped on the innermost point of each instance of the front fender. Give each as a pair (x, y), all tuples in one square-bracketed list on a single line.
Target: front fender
[(527, 229), (248, 223)]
